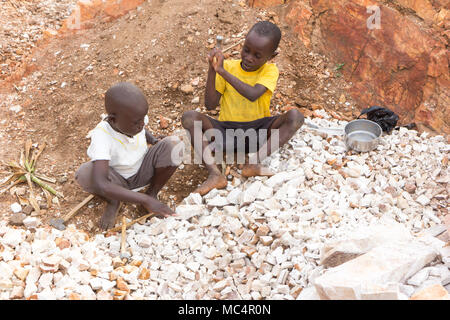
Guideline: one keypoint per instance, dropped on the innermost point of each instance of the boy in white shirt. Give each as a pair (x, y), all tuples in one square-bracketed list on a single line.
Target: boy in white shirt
[(122, 161)]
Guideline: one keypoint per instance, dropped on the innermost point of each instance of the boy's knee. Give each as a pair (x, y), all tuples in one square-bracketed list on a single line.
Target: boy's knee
[(295, 118), (188, 118), (171, 141), (173, 149), (83, 177)]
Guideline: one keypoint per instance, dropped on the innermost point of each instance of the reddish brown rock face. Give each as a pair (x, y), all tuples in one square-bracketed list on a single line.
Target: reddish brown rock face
[(264, 3), (402, 65)]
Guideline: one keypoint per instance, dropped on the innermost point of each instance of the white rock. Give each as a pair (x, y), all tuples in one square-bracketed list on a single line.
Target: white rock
[(196, 100), (193, 199), (407, 290), (394, 262), (31, 222), (46, 294), (217, 201), (361, 241), (86, 292), (278, 178), (308, 293), (423, 200), (389, 291), (264, 193), (246, 236), (233, 196), (29, 290), (145, 242), (13, 237), (16, 207), (266, 240), (419, 277), (219, 286), (188, 211), (96, 283)]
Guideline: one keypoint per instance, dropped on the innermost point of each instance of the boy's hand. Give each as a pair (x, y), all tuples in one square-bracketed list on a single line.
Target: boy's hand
[(161, 209), (152, 139), (215, 59)]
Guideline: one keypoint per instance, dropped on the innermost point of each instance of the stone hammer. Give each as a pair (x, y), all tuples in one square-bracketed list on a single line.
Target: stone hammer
[(59, 223), (219, 40)]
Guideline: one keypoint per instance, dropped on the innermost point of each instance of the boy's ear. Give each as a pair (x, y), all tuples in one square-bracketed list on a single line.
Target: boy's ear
[(274, 55), (111, 117)]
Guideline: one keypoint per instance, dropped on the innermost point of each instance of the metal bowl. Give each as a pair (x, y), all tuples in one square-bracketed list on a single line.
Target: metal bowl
[(362, 135)]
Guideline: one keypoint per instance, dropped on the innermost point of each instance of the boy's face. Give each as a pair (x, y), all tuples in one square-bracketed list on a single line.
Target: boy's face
[(129, 121), (256, 51)]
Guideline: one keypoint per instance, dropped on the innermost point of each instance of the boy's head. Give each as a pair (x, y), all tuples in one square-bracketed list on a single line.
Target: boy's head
[(260, 45), (126, 107)]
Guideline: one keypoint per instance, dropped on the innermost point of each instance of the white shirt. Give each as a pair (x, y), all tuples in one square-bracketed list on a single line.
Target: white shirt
[(125, 154)]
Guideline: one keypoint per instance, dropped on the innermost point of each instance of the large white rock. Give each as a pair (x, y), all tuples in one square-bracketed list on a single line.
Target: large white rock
[(392, 262), (233, 196), (217, 201), (279, 178), (193, 199), (189, 211), (13, 237), (357, 243), (309, 293)]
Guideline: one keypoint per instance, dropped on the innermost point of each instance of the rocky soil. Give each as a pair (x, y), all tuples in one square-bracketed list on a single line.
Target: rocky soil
[(61, 97), (324, 214), (23, 24)]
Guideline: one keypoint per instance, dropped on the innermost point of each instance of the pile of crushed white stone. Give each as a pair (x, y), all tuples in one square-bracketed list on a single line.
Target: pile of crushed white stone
[(328, 225)]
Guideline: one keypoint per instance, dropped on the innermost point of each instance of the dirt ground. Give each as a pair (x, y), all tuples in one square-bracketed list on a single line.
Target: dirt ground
[(159, 47)]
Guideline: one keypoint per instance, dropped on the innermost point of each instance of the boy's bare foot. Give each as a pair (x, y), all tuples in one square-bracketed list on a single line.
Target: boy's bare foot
[(213, 181), (252, 170), (109, 216)]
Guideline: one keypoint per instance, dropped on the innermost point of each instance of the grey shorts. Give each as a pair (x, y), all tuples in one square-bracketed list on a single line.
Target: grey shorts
[(166, 153)]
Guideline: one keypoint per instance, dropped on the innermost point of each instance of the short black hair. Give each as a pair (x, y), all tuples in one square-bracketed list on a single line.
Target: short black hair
[(268, 29), (124, 95)]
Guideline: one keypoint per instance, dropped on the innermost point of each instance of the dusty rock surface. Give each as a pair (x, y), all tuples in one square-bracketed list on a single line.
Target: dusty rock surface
[(393, 51), (266, 238)]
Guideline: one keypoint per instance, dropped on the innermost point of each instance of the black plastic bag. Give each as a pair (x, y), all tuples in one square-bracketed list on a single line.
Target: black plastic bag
[(386, 118)]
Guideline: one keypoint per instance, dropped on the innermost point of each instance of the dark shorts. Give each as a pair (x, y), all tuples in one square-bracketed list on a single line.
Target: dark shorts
[(237, 136)]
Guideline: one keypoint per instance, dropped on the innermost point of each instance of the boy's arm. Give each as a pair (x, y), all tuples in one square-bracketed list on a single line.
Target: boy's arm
[(150, 138), (105, 188), (252, 93), (212, 96)]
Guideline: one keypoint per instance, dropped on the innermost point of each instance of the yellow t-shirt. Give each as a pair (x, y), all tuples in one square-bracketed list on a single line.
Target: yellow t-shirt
[(234, 106)]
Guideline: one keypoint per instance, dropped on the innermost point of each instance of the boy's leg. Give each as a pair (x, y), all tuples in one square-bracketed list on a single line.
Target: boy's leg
[(83, 177), (215, 177), (159, 179), (287, 124), (159, 164)]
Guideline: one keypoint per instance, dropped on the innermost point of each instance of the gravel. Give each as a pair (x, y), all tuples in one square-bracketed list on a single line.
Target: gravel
[(260, 238)]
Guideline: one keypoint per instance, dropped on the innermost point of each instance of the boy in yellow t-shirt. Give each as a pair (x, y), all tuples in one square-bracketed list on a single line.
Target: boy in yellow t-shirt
[(243, 88)]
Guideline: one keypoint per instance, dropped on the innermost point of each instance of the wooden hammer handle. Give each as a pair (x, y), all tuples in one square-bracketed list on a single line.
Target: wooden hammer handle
[(78, 207), (124, 234), (129, 224)]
